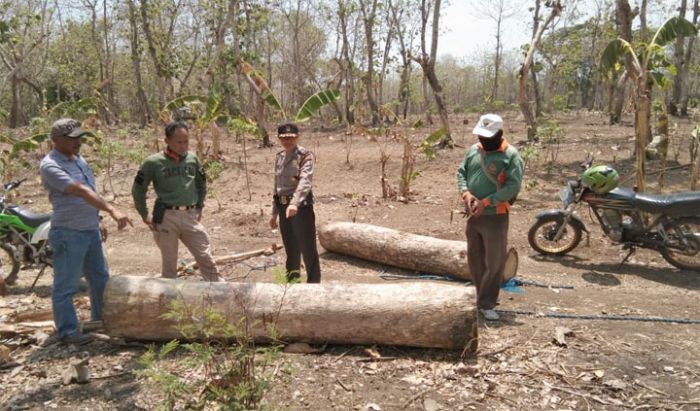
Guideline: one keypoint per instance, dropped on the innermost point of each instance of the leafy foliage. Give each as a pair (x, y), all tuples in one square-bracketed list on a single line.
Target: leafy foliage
[(428, 145), (226, 370), (314, 103)]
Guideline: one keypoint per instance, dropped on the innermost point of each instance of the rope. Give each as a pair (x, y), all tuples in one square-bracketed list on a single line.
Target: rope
[(513, 282), (389, 276), (602, 317), (522, 281)]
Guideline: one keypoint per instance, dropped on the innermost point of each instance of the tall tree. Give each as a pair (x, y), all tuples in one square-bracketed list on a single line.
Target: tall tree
[(427, 63), (368, 9), (682, 58), (144, 112), (24, 29), (400, 14), (498, 11), (523, 100), (159, 19)]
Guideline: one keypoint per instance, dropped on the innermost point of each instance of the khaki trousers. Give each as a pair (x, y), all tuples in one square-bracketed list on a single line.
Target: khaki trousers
[(487, 240), (183, 225)]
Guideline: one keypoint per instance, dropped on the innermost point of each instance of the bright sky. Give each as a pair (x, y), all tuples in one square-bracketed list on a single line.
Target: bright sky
[(464, 33)]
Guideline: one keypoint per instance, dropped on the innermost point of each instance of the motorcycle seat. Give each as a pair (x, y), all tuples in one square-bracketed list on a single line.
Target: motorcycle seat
[(677, 204), (28, 217)]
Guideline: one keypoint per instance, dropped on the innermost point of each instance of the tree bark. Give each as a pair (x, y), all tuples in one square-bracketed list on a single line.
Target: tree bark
[(523, 100), (410, 314), (427, 63), (623, 22), (346, 64), (144, 113), (682, 77), (369, 12), (404, 250)]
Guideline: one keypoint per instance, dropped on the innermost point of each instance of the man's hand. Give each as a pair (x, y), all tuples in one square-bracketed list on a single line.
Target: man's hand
[(477, 209), (292, 211), (273, 222), (198, 214), (149, 222), (103, 231), (121, 219), (468, 199)]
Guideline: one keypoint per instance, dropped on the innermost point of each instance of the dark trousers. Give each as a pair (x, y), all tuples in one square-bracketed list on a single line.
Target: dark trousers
[(299, 239), (487, 240)]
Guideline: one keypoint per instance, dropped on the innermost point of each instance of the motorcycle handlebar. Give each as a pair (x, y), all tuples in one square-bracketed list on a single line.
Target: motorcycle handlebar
[(13, 184)]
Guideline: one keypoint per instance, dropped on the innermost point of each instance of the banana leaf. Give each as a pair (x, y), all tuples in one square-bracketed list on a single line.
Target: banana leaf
[(315, 102), (260, 86), (614, 52), (672, 29), (184, 101)]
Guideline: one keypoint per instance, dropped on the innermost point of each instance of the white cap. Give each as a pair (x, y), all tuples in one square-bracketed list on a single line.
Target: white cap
[(488, 125)]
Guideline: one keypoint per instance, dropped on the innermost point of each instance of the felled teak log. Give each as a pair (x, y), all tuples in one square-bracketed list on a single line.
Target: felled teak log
[(405, 250), (410, 314)]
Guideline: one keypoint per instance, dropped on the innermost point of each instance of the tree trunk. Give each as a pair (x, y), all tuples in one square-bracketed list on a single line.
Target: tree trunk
[(678, 54), (685, 90), (409, 314), (144, 110), (623, 22), (404, 250), (368, 17), (642, 128), (17, 117), (523, 100)]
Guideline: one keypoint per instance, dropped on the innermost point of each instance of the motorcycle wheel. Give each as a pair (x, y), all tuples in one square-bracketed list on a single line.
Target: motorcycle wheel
[(9, 267), (541, 236), (677, 253)]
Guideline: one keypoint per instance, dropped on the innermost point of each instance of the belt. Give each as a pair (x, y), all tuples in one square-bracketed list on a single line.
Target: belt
[(183, 207), (284, 200)]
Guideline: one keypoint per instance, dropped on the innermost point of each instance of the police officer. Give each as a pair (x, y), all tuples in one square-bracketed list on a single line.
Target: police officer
[(293, 204), (180, 185)]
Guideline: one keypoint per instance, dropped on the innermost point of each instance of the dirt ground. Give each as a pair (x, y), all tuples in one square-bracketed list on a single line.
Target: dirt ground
[(604, 364)]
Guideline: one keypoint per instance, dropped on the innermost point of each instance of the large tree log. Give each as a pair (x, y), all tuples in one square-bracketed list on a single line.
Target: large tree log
[(412, 314), (405, 250)]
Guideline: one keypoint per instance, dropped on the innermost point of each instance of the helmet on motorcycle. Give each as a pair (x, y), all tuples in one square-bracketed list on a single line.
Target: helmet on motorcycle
[(600, 179)]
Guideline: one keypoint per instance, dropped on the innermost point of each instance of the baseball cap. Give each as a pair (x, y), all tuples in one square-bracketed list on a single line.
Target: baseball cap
[(287, 130), (488, 125), (66, 127)]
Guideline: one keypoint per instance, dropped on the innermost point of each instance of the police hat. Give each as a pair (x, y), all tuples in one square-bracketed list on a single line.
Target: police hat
[(287, 130)]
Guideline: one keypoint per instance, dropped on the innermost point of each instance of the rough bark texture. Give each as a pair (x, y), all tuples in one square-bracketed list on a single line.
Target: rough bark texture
[(411, 314), (405, 250)]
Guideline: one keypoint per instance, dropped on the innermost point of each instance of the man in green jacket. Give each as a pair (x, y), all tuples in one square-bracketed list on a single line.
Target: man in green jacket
[(488, 181), (180, 186)]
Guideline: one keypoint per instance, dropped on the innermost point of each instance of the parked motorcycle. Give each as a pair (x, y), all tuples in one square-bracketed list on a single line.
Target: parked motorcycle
[(669, 224), (23, 237)]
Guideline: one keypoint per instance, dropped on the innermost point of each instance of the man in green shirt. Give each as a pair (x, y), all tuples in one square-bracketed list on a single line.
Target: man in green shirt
[(180, 186), (488, 181)]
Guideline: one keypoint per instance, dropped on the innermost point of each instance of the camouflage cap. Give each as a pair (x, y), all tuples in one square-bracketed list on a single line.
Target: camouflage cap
[(66, 127), (287, 130)]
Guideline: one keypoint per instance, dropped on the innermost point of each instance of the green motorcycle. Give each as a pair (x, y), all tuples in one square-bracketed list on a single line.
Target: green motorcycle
[(23, 237)]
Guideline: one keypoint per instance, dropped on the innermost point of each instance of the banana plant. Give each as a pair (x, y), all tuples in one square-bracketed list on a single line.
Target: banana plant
[(646, 64), (310, 107), (11, 159)]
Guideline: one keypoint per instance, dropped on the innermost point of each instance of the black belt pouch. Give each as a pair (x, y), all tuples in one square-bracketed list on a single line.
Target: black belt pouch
[(158, 211)]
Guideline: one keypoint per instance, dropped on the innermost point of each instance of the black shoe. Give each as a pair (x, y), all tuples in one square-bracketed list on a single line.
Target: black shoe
[(77, 339)]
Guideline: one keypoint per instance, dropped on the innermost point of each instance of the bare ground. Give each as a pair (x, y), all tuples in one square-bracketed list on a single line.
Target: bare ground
[(603, 365)]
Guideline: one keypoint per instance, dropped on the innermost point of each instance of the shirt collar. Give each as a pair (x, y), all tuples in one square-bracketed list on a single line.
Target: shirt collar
[(173, 155), (62, 157), (502, 148)]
